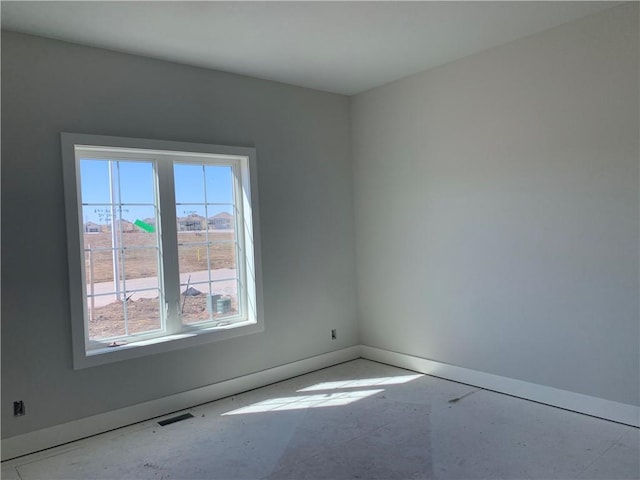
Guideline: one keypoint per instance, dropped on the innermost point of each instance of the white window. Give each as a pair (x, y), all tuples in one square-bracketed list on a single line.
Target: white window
[(148, 271)]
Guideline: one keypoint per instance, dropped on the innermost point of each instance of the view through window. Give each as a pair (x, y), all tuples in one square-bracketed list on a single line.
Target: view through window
[(166, 240)]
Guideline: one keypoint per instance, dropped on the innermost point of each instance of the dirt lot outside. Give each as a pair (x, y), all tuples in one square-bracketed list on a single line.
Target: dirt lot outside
[(141, 262)]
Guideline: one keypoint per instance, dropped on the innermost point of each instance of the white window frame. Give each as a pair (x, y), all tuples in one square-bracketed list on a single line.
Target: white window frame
[(164, 154)]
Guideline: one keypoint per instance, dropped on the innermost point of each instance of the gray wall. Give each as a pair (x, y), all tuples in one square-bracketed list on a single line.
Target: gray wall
[(496, 203), (305, 195)]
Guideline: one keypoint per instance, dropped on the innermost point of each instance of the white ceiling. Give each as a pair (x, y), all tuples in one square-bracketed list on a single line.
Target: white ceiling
[(341, 47)]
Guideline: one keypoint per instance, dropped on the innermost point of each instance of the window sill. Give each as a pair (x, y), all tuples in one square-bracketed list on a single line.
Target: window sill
[(101, 356)]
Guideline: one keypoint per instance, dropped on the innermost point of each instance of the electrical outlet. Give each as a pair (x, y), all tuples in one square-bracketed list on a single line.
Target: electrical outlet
[(334, 334), (18, 408)]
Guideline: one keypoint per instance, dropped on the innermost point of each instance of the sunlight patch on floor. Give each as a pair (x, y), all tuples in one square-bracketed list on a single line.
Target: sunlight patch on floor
[(306, 401), (365, 382)]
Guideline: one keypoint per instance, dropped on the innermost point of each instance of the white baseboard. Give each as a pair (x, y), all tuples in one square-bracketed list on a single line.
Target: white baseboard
[(59, 434), (594, 406)]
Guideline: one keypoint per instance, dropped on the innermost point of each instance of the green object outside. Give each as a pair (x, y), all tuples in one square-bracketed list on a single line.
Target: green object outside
[(144, 226)]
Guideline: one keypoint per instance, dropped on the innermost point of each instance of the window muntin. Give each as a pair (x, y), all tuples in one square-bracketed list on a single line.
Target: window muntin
[(108, 182), (122, 260), (207, 256)]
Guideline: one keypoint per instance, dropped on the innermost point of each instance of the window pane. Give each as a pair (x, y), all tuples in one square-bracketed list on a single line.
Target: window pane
[(136, 182), (107, 317), (141, 222), (194, 304), (192, 258), (193, 262), (190, 218), (207, 273), (217, 301), (140, 267), (189, 183), (121, 248), (96, 219), (105, 310), (106, 299), (140, 271), (206, 242), (106, 320), (143, 311), (99, 268), (94, 181), (227, 305), (96, 227), (204, 262), (220, 218), (219, 184), (222, 258)]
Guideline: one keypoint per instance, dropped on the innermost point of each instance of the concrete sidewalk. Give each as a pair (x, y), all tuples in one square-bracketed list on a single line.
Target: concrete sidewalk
[(220, 276)]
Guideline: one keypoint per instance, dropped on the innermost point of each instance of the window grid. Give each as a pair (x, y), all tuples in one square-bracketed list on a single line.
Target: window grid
[(120, 290), (208, 242), (162, 155)]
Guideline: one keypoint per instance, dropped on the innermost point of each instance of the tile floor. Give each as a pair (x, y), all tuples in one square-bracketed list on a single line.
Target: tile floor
[(360, 419)]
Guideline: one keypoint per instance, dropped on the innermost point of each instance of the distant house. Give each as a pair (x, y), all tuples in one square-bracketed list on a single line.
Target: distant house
[(191, 223), (221, 221), (125, 226), (91, 227)]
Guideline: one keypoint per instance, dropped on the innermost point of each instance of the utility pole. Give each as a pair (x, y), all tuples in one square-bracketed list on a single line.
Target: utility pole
[(115, 244)]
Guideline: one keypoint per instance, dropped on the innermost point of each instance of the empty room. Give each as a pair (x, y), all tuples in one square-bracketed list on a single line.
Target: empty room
[(320, 240)]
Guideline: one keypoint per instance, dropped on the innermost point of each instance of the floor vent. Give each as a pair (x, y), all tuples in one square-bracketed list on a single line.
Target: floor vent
[(169, 421)]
